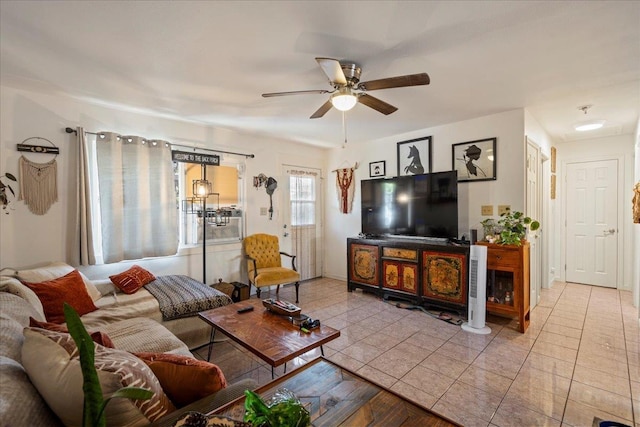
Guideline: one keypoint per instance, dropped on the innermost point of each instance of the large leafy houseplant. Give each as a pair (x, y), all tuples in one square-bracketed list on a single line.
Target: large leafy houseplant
[(514, 226), (94, 403)]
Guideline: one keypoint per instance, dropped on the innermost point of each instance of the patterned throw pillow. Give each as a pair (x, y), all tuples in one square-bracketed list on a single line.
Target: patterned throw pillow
[(53, 365), (133, 279), (53, 293), (98, 337), (184, 379)]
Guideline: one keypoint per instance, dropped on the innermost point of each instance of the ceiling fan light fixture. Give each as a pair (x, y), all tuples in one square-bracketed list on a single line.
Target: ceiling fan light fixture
[(344, 100), (590, 125)]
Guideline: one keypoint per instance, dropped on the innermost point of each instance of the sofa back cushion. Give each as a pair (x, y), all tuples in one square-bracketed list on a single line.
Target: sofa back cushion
[(14, 316), (58, 378), (16, 287), (54, 293), (55, 270)]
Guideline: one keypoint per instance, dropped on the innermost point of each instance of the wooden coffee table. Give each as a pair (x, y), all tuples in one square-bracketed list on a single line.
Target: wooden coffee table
[(336, 397), (271, 337)]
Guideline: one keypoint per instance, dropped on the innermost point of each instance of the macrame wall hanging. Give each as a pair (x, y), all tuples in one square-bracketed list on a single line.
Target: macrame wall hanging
[(345, 186), (38, 181)]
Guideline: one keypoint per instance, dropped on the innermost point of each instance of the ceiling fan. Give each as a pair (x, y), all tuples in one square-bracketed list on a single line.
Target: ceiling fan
[(348, 90)]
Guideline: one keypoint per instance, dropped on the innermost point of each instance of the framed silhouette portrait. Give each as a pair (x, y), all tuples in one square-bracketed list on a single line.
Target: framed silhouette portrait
[(475, 160), (377, 169), (414, 156)]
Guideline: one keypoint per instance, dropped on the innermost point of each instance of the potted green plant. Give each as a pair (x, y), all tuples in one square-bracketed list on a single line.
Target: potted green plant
[(489, 229), (94, 403), (514, 226), (4, 196)]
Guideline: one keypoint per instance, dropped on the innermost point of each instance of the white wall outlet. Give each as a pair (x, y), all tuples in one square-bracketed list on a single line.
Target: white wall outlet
[(487, 210), (264, 211)]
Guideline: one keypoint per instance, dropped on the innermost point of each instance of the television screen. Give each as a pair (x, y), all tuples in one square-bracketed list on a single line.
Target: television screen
[(413, 205)]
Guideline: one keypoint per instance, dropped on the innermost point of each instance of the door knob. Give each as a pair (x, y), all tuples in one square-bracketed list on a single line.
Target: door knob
[(610, 231)]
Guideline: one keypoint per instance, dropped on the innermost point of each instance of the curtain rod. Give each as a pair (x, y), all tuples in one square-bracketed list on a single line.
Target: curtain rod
[(251, 156)]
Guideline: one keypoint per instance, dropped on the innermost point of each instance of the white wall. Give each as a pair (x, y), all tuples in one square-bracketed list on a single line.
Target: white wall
[(28, 239), (509, 188), (621, 146), (636, 229)]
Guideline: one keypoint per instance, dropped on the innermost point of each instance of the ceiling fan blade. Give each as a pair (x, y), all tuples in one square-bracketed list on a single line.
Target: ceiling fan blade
[(322, 110), (400, 81), (333, 70), (295, 92), (376, 104)]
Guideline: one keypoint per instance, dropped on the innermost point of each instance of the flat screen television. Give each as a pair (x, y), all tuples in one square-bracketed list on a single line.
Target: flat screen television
[(414, 205)]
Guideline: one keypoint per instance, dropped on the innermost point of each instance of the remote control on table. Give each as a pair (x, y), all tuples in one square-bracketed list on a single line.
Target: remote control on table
[(245, 309)]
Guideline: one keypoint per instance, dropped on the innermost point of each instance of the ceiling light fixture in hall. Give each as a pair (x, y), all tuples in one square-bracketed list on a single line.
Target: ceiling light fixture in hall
[(589, 124), (344, 99)]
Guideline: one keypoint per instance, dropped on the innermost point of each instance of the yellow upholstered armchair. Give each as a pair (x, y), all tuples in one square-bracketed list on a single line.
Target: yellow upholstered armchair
[(264, 263)]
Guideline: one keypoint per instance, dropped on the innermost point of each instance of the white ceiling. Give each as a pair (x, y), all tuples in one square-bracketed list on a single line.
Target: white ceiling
[(209, 61)]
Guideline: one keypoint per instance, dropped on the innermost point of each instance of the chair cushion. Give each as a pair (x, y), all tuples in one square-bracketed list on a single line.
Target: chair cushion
[(275, 276), (53, 293)]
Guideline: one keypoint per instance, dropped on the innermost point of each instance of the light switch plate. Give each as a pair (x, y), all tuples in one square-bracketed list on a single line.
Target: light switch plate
[(487, 210), (264, 211), (503, 209)]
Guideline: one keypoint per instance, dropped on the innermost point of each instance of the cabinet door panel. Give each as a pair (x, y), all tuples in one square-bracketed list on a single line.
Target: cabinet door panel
[(364, 264)]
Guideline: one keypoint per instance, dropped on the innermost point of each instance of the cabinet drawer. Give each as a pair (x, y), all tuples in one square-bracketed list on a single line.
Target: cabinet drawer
[(503, 257), (400, 253)]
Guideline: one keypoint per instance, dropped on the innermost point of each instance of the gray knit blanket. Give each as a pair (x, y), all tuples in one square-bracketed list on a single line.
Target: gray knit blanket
[(181, 296)]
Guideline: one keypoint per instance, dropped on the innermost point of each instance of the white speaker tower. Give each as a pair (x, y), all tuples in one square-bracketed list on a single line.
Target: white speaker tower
[(477, 291)]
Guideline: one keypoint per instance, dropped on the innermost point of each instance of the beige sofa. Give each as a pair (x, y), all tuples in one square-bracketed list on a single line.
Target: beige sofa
[(133, 322)]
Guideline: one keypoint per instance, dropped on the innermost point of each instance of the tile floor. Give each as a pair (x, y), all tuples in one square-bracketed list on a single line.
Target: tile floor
[(579, 359)]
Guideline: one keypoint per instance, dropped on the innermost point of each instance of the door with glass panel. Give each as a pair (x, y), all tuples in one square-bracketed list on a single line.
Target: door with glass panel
[(302, 228)]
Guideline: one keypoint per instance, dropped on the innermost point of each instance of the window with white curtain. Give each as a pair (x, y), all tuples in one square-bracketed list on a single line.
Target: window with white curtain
[(133, 203)]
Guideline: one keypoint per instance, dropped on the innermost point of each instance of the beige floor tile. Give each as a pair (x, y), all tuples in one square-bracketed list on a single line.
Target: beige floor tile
[(427, 380), (563, 321), (470, 340), (513, 415), (534, 378), (487, 381), (382, 341), (365, 353), (549, 404), (459, 415), (395, 363), (445, 365), (604, 400), (580, 415), (458, 352), (561, 340), (564, 314), (425, 341), (555, 351), (346, 361), (635, 391), (602, 380), (473, 400), (413, 394), (377, 376), (498, 364), (562, 330), (604, 364)]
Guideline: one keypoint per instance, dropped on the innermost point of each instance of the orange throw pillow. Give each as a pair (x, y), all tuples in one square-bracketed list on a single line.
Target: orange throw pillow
[(98, 337), (183, 378), (133, 279), (53, 293)]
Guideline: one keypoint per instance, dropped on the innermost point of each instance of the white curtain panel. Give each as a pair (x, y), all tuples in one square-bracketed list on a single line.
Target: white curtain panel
[(137, 197), (84, 224)]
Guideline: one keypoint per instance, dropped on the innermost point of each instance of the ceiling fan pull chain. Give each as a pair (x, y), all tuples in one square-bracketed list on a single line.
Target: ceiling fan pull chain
[(344, 128)]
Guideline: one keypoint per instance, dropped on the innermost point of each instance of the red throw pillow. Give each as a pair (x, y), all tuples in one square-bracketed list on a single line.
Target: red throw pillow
[(98, 337), (133, 279), (183, 378), (53, 293)]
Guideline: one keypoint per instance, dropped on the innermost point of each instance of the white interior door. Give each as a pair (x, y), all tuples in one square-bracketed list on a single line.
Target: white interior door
[(533, 210), (592, 222), (303, 226)]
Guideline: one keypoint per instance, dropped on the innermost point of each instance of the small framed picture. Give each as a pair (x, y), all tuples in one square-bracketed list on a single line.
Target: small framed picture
[(414, 156), (475, 160), (377, 168)]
